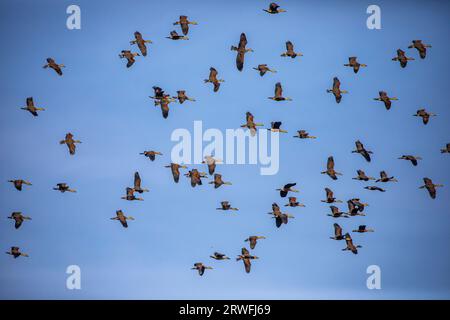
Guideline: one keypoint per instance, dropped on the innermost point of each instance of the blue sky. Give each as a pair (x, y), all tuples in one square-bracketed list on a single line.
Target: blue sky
[(107, 107)]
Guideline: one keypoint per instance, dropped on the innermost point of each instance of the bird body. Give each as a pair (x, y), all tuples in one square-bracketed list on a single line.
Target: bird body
[(353, 63)]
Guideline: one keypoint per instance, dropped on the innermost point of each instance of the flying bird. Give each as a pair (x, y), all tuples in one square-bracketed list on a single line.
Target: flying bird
[(290, 51), (182, 97), (175, 168), (15, 252), (362, 176), (425, 115), (70, 142), (140, 43), (374, 188), (350, 246), (362, 151), (127, 54), (225, 205), (413, 159), (250, 124), (279, 94), (330, 197), (184, 22), (446, 149), (137, 184), (280, 218), (358, 204), (385, 99), (286, 188), (130, 195), (246, 257), (175, 36), (330, 169), (241, 51), (52, 64), (253, 240), (18, 218), (421, 47), (337, 232), (384, 177), (31, 107), (353, 63), (335, 213), (336, 90), (211, 163), (219, 256), (431, 187), (196, 177), (200, 267), (151, 154), (274, 9), (18, 183), (263, 69), (63, 187), (402, 58), (213, 79), (294, 203), (275, 127), (218, 181), (363, 229), (354, 210), (303, 134), (122, 218)]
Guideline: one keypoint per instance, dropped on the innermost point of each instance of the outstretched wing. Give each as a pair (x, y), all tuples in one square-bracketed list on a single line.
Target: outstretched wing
[(289, 46), (278, 90), (330, 163), (137, 181)]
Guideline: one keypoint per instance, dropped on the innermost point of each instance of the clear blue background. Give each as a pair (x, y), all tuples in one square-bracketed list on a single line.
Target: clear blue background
[(107, 107)]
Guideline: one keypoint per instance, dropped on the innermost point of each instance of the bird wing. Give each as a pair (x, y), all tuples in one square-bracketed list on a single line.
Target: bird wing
[(137, 181), (337, 230), (278, 90), (289, 46), (247, 265), (30, 102), (289, 185), (330, 163)]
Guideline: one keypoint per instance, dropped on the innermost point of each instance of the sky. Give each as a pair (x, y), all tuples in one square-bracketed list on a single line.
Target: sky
[(106, 106)]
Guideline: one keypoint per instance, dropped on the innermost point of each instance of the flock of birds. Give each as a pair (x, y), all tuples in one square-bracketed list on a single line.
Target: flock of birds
[(355, 206)]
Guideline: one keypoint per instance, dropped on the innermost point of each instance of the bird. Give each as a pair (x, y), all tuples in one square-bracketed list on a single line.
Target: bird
[(130, 195), (275, 127), (241, 51), (250, 124), (335, 213), (182, 97), (354, 210), (358, 204), (337, 232), (137, 184), (421, 47), (363, 229), (219, 256), (195, 176), (286, 188), (425, 115), (336, 90), (362, 176), (246, 257), (330, 169), (31, 107), (19, 218), (385, 99), (431, 187), (290, 51), (175, 168), (127, 54), (175, 36), (280, 218), (263, 68), (413, 159), (18, 183), (294, 203), (225, 205), (303, 134), (362, 151), (151, 154), (211, 163), (200, 267), (374, 188), (330, 197), (279, 94), (122, 218), (213, 79), (384, 177), (273, 9), (446, 149), (402, 58), (140, 43), (184, 22), (218, 181), (353, 63), (70, 142), (253, 240), (63, 187), (52, 64), (15, 252), (350, 246), (164, 102), (158, 93)]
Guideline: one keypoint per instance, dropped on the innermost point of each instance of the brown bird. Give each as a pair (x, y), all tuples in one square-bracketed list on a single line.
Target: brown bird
[(164, 102), (218, 181), (250, 124), (130, 195), (330, 197), (402, 58), (213, 79), (18, 183), (70, 142), (413, 159), (421, 47), (384, 177), (337, 232), (330, 169), (354, 210), (175, 168), (287, 187), (279, 94), (280, 218), (184, 22), (15, 252), (358, 204), (253, 240), (350, 246), (52, 64), (362, 176), (200, 267), (19, 218), (294, 203), (431, 187), (140, 43), (335, 213), (275, 127), (274, 9), (195, 177), (363, 229), (122, 218), (303, 134), (225, 205), (137, 184), (290, 51), (175, 36), (31, 108), (263, 68), (374, 188), (354, 64), (127, 54), (151, 154), (446, 149), (182, 97), (362, 151), (386, 100), (425, 115), (241, 51), (211, 163), (336, 90), (63, 187), (246, 257), (159, 93), (219, 256)]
